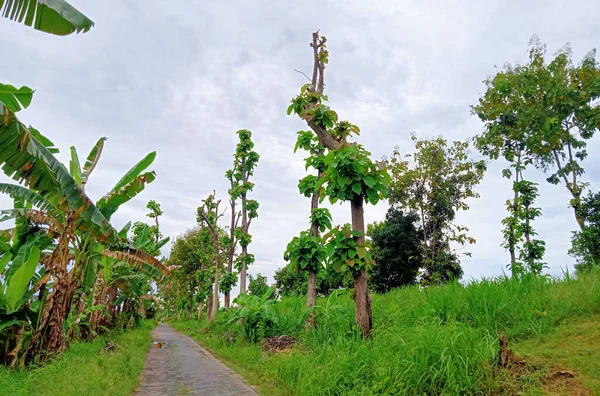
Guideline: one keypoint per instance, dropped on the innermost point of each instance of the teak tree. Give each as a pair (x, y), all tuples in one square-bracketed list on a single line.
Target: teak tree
[(550, 109), (229, 279), (349, 175), (245, 161), (306, 253), (208, 215)]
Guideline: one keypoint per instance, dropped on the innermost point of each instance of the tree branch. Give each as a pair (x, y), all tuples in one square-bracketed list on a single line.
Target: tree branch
[(301, 72)]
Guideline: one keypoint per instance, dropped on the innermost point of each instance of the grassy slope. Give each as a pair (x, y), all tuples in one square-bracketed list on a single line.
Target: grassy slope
[(436, 341), (574, 345), (85, 370)]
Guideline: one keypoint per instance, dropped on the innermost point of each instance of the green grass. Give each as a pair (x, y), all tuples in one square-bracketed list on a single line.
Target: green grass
[(574, 345), (85, 369), (441, 340)]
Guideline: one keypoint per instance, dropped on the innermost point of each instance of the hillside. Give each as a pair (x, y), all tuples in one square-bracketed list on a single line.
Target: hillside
[(438, 340)]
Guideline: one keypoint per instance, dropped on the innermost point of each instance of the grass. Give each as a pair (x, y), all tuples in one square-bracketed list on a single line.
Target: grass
[(85, 369), (441, 340), (574, 345)]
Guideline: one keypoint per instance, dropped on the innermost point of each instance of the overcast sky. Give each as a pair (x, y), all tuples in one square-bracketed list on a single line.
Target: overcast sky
[(180, 77)]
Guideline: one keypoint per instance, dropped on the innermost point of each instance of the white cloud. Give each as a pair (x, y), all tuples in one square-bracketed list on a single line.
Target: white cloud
[(181, 77)]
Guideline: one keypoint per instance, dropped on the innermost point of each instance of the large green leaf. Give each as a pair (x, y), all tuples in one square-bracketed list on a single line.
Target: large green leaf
[(50, 16), (75, 167), (27, 160), (27, 195), (13, 98), (134, 172), (92, 159), (108, 205), (27, 259)]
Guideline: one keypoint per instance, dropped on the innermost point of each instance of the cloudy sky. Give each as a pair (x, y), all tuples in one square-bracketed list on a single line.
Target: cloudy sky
[(180, 77)]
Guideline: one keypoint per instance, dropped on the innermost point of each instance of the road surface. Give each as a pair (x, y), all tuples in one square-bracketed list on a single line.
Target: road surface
[(182, 367)]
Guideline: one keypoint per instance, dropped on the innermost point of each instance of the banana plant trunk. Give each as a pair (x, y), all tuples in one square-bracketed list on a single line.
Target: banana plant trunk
[(50, 336), (362, 301)]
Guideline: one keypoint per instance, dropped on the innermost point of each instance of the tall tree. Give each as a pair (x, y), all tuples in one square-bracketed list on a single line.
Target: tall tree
[(349, 175), (549, 110), (245, 162), (396, 250), (307, 253), (208, 215), (586, 243), (229, 279), (434, 182)]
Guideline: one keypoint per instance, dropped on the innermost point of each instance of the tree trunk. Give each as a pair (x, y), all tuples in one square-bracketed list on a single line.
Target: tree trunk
[(311, 298), (231, 252), (244, 248), (243, 272), (57, 307), (362, 301), (200, 306), (215, 301), (227, 299), (209, 305), (311, 292), (511, 242)]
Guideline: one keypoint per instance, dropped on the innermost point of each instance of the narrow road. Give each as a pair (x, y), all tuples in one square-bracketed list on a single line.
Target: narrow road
[(182, 367)]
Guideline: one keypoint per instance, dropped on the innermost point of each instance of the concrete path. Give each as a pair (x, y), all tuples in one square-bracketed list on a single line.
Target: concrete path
[(182, 367)]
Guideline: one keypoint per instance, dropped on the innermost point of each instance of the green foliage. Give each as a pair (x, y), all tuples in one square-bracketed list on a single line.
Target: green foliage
[(396, 250), (257, 286), (306, 252), (546, 110), (307, 185), (350, 174), (345, 253), (50, 16), (321, 218), (243, 238), (290, 282), (518, 228), (586, 243), (256, 315), (85, 369), (240, 260), (435, 182), (15, 99), (252, 207), (227, 282), (439, 340)]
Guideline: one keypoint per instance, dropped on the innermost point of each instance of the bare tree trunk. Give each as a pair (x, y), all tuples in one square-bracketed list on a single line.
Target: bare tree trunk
[(215, 301), (231, 252), (362, 301), (200, 306), (311, 292), (311, 298), (244, 248), (227, 299), (209, 305)]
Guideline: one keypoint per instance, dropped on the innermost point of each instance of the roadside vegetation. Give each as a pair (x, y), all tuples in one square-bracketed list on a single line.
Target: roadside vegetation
[(437, 340), (109, 365)]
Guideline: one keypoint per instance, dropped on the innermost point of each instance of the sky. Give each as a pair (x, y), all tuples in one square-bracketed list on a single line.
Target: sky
[(181, 77)]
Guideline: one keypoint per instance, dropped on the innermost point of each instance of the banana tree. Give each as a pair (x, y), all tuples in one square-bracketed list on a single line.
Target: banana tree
[(63, 208), (50, 16)]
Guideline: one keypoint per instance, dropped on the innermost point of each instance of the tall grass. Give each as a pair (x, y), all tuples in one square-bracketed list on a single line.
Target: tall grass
[(85, 369), (439, 340)]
